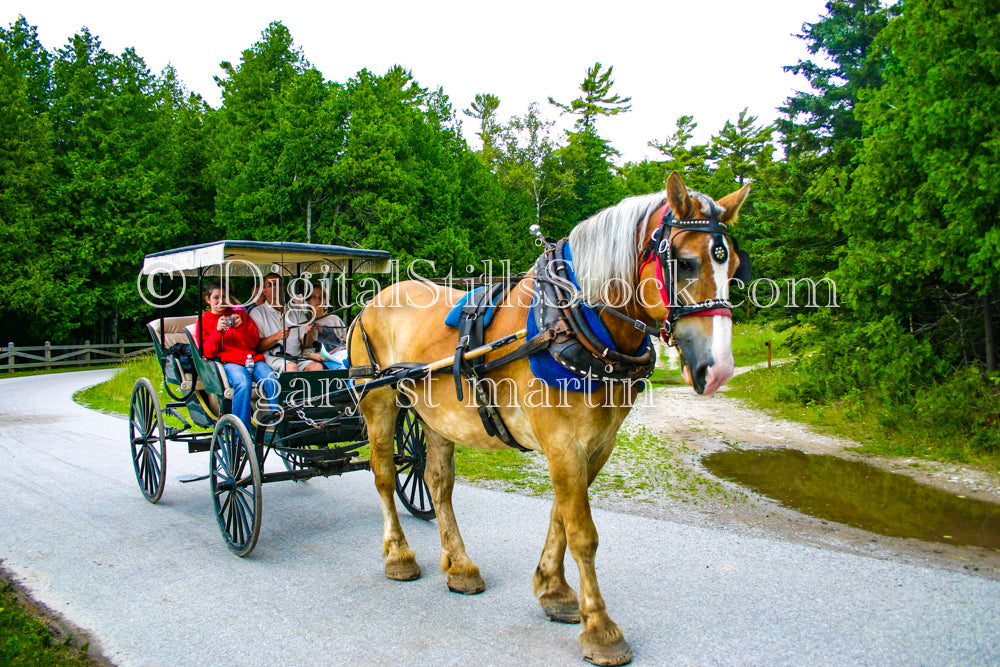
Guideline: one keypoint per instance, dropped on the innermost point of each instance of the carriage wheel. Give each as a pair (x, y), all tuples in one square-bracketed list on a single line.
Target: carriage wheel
[(411, 459), (235, 481), (149, 447)]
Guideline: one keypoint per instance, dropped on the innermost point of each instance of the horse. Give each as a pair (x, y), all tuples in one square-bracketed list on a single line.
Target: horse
[(621, 258)]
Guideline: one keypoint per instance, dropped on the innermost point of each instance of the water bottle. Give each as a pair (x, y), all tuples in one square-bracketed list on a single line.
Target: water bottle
[(249, 364)]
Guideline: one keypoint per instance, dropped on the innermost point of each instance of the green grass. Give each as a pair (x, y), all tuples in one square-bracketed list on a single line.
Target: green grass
[(114, 394), (651, 469), (643, 467), (511, 470), (26, 641), (749, 343), (876, 429)]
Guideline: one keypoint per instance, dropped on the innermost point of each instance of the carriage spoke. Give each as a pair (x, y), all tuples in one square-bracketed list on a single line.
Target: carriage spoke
[(411, 454)]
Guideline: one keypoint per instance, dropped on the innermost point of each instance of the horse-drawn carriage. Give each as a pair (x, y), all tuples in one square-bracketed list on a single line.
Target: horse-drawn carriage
[(656, 265), (317, 432)]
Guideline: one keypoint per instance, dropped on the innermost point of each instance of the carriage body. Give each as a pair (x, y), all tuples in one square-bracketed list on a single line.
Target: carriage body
[(317, 430)]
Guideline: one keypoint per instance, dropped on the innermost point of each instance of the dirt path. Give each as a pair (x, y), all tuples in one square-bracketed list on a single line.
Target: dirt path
[(694, 426)]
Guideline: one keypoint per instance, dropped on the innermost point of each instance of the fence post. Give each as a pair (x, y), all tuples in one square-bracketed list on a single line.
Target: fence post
[(48, 355), (121, 349), (10, 359), (86, 356)]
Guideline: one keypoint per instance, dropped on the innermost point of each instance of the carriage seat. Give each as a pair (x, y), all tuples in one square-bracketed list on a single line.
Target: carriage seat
[(173, 329), (183, 330)]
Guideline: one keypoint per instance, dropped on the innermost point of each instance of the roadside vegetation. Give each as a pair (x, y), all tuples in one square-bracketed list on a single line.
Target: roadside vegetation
[(114, 394), (26, 641), (955, 421)]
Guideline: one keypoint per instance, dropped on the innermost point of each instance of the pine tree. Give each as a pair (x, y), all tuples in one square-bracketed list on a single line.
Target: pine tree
[(596, 100)]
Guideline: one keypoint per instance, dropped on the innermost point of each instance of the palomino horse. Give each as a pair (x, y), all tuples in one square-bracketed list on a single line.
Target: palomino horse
[(404, 323)]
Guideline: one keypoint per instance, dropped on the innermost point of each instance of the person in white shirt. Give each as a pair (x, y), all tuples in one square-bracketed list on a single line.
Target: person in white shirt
[(280, 341), (328, 330)]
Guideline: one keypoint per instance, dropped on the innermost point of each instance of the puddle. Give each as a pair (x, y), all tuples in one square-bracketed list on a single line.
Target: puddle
[(860, 495)]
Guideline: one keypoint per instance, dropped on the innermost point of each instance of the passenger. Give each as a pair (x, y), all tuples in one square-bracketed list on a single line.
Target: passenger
[(327, 332), (230, 336), (281, 344)]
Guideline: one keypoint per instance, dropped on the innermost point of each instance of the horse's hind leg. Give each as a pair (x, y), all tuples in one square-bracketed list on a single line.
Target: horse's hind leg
[(463, 574), (557, 598), (380, 414)]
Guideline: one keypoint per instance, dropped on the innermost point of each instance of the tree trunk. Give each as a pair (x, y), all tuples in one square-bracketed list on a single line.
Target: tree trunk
[(991, 344), (309, 223)]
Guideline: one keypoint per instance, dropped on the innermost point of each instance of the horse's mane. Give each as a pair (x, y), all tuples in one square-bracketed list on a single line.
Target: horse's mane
[(605, 246)]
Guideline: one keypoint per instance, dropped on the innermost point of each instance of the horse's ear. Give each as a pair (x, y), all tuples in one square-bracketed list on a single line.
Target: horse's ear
[(732, 203), (677, 195)]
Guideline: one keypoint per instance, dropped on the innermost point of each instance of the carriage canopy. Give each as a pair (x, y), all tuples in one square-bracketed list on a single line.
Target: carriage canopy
[(240, 256)]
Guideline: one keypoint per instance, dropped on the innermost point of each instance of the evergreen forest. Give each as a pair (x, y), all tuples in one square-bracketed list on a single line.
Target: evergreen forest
[(883, 177)]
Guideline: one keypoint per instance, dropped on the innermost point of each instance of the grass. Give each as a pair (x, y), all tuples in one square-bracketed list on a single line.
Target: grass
[(508, 469), (643, 467), (25, 640), (114, 394), (651, 469), (749, 343), (876, 430)]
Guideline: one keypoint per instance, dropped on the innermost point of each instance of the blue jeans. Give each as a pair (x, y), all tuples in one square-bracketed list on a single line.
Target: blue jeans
[(239, 380)]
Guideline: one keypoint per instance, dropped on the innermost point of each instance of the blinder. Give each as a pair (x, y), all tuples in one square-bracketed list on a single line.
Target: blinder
[(743, 272)]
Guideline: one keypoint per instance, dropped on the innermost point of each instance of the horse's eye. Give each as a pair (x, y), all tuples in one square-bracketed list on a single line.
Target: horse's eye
[(685, 265)]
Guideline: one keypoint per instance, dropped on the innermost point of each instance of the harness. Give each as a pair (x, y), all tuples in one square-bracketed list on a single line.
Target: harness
[(659, 250), (561, 319), (557, 306)]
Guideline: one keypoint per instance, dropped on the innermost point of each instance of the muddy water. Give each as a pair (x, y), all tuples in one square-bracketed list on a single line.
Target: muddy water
[(859, 495)]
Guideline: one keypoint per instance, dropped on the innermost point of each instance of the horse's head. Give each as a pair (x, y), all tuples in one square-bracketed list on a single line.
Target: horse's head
[(685, 283)]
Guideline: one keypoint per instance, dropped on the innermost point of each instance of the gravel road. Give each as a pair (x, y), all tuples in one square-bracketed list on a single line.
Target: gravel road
[(154, 584)]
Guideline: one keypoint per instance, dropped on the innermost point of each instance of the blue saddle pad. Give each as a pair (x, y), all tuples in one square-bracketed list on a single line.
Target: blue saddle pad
[(454, 316)]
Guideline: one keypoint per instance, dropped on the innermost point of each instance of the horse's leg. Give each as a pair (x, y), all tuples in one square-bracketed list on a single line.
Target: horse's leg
[(380, 413), (558, 599), (463, 574), (601, 641)]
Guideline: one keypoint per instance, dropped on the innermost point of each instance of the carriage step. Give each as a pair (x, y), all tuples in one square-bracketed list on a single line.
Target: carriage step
[(184, 479)]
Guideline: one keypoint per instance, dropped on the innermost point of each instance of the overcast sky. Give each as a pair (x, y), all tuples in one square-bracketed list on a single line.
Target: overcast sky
[(707, 58)]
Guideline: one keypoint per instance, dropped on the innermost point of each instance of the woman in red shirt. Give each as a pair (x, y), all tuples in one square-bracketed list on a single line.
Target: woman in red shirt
[(230, 336)]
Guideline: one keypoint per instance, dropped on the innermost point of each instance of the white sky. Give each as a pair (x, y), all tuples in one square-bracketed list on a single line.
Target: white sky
[(707, 58)]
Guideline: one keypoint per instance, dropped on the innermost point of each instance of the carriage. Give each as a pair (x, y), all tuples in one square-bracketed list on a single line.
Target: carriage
[(318, 431)]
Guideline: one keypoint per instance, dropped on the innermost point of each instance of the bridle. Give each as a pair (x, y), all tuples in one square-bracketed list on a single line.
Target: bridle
[(659, 250)]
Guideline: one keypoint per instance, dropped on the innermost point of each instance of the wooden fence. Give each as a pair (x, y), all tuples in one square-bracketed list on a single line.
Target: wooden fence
[(13, 358)]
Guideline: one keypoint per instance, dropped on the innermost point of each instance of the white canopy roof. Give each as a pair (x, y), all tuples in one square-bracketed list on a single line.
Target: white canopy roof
[(245, 258)]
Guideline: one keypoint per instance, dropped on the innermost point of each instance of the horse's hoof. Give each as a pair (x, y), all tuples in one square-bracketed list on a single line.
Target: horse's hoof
[(561, 611), (561, 607), (402, 570), (618, 653), (466, 584)]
